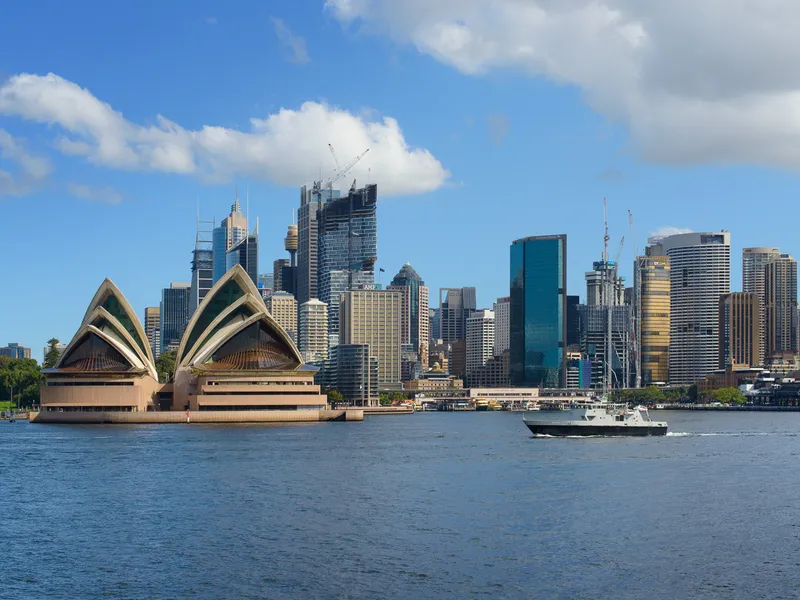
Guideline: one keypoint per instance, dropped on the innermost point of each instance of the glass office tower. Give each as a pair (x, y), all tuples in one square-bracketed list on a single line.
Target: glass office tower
[(538, 320)]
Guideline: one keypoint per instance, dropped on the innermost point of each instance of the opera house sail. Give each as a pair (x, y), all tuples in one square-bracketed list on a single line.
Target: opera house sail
[(108, 365), (234, 356)]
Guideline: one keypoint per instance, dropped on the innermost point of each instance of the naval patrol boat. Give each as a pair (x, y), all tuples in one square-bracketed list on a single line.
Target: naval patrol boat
[(592, 418)]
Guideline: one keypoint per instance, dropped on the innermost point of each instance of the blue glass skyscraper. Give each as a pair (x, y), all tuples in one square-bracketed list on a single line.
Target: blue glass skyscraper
[(348, 247), (538, 315)]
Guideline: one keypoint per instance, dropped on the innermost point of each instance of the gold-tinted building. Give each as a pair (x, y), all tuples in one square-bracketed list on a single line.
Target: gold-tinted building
[(739, 329), (652, 288)]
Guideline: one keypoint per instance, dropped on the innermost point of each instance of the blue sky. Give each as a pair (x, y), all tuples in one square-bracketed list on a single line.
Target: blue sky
[(502, 124)]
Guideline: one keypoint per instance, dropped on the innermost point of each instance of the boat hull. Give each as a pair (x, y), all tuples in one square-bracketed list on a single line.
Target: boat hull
[(565, 429)]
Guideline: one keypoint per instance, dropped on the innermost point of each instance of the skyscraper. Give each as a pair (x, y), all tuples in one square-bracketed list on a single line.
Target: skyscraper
[(455, 306), (480, 339), (175, 314), (311, 200), (373, 317), (739, 315), (652, 317), (595, 286), (313, 333), (573, 321), (245, 253), (700, 272), (152, 328), (348, 248), (780, 293), (232, 230), (283, 308), (202, 270), (415, 320), (754, 261), (538, 324), (502, 313), (281, 274)]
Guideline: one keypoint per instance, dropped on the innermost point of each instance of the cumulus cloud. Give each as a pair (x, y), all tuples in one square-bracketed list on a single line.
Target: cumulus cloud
[(294, 44), (29, 171), (105, 195), (695, 82), (286, 147), (668, 230)]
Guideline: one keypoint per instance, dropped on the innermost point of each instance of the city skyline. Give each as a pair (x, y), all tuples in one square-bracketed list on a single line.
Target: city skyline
[(440, 165)]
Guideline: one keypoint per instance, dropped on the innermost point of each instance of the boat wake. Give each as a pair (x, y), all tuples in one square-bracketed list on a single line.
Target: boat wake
[(728, 433)]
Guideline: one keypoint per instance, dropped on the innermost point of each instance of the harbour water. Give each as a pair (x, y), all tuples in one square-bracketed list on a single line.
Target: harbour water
[(433, 505)]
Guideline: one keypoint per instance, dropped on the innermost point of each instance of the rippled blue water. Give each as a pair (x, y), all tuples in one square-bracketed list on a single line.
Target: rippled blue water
[(434, 505)]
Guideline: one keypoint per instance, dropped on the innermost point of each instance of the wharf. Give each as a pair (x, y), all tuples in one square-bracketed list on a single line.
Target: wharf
[(221, 416), (385, 410), (739, 408)]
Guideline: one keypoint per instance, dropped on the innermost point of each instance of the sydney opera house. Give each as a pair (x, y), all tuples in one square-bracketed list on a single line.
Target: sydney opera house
[(234, 363)]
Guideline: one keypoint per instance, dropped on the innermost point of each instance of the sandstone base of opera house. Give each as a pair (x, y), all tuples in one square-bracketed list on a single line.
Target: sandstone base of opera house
[(223, 416)]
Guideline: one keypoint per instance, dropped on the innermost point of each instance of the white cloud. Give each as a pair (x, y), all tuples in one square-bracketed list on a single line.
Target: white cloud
[(695, 82), (287, 147), (295, 44), (668, 230), (30, 171), (105, 195)]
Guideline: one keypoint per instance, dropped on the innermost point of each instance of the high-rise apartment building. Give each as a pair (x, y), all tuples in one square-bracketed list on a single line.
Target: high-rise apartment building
[(373, 317), (700, 272), (245, 253), (780, 295), (231, 231), (651, 306), (502, 313), (15, 350), (175, 314), (313, 332), (538, 324), (152, 328), (480, 339), (739, 329), (455, 306), (415, 322), (283, 308), (348, 248), (754, 262)]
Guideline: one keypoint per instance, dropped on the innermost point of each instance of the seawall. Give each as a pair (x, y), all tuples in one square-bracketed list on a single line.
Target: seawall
[(222, 416)]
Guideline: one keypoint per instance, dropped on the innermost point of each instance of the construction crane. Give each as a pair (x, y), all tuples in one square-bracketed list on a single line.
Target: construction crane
[(338, 173)]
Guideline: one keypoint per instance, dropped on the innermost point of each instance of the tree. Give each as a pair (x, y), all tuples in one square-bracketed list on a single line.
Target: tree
[(335, 396), (52, 355), (383, 397), (165, 365), (23, 377), (729, 395), (397, 397)]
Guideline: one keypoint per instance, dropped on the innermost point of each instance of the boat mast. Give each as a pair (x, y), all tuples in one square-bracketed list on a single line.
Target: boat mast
[(607, 286)]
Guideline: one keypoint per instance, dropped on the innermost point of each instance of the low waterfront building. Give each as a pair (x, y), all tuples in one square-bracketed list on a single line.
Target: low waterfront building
[(434, 380), (733, 376)]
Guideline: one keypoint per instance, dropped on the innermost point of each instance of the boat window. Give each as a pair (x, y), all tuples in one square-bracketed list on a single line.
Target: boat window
[(620, 418)]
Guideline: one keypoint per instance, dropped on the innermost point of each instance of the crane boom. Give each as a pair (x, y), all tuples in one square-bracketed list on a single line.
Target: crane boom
[(343, 171), (336, 160)]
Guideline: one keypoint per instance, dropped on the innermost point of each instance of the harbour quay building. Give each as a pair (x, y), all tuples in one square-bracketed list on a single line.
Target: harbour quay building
[(233, 356)]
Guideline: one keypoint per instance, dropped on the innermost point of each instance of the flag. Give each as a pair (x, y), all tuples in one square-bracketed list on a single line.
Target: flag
[(381, 270)]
